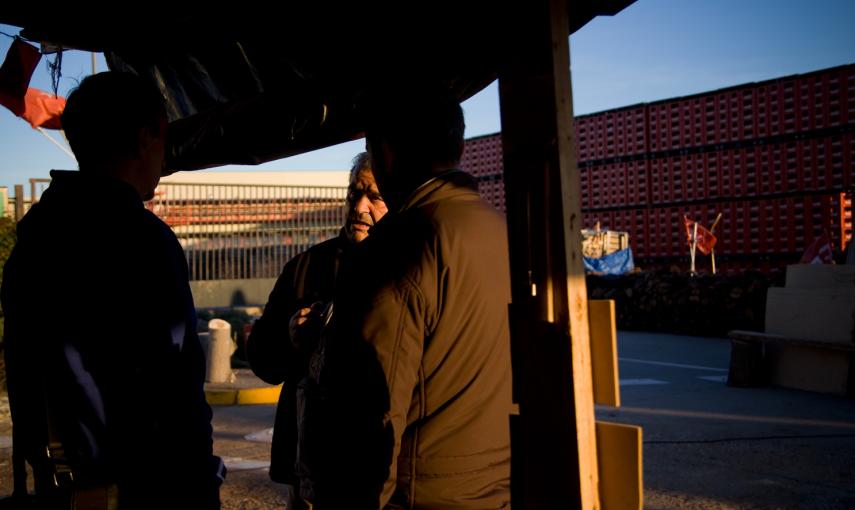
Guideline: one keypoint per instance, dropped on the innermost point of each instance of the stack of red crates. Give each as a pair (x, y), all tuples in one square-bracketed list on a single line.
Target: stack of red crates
[(775, 158), (483, 159)]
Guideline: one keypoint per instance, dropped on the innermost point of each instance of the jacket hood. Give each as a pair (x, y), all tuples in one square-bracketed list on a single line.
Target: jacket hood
[(76, 200), (451, 184)]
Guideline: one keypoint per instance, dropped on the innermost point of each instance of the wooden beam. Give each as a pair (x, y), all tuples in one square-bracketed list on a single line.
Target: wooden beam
[(553, 438)]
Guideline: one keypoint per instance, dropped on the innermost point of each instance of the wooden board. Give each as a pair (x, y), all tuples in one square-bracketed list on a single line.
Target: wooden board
[(820, 276), (812, 314), (619, 449), (601, 317), (550, 340)]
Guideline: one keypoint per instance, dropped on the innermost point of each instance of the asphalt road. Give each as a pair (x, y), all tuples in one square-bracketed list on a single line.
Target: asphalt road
[(710, 446), (706, 445)]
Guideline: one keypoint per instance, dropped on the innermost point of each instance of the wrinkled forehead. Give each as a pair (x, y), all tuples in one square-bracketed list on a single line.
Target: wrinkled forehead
[(364, 180)]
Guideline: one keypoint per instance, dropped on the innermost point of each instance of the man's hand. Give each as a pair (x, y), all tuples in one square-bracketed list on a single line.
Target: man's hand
[(305, 325)]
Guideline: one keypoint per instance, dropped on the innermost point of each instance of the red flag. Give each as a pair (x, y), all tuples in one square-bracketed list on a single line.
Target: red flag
[(819, 251), (43, 109), (706, 239), (21, 60), (38, 108)]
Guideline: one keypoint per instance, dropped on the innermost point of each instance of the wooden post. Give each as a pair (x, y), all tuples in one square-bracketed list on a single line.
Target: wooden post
[(553, 438), (19, 202), (694, 246), (712, 251)]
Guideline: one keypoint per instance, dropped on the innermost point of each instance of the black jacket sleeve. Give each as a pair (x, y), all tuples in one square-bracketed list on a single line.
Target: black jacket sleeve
[(269, 347)]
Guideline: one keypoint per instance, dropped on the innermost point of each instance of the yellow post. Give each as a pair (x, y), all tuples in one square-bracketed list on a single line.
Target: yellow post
[(601, 314), (620, 455)]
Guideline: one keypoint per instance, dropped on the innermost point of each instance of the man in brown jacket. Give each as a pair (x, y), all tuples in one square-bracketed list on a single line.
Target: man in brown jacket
[(413, 398)]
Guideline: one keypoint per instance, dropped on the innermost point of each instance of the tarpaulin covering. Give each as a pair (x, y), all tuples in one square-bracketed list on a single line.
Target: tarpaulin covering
[(819, 251), (252, 83), (617, 263)]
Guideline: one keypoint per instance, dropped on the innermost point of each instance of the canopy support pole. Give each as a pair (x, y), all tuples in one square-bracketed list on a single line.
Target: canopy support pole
[(553, 438)]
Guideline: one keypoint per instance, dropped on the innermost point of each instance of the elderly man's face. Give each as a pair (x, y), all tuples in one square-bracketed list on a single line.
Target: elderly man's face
[(365, 206)]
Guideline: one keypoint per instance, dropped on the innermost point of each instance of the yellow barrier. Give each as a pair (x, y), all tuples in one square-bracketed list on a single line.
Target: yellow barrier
[(247, 396), (601, 318), (619, 461)]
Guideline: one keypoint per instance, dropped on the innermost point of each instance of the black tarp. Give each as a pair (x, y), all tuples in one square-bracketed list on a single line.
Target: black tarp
[(246, 84)]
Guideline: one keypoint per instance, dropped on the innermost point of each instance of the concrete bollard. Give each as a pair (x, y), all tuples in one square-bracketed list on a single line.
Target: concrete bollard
[(220, 349)]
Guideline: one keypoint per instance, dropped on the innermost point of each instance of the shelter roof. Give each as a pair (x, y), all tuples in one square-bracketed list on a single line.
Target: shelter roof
[(249, 84)]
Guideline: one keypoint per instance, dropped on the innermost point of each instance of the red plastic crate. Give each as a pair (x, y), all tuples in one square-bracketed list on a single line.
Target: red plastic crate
[(848, 151), (847, 100), (605, 218), (595, 186), (585, 187), (636, 182), (846, 217), (634, 222)]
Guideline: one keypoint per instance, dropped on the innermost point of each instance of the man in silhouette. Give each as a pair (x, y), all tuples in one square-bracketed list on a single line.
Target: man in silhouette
[(413, 387), (105, 369)]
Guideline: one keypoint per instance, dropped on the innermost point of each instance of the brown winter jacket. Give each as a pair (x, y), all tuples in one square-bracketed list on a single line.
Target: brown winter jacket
[(417, 372)]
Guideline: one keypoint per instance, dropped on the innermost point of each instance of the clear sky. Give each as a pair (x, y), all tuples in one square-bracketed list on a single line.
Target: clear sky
[(654, 49)]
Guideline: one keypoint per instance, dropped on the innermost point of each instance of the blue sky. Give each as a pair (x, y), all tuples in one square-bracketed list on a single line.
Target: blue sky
[(654, 49)]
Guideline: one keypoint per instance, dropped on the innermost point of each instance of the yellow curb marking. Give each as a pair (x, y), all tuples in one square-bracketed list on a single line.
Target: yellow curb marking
[(248, 396)]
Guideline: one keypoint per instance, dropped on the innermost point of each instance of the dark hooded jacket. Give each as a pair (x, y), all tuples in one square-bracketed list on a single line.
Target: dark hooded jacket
[(100, 329), (307, 278)]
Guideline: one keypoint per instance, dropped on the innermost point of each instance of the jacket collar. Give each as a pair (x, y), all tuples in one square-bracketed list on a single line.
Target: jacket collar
[(451, 183), (111, 191)]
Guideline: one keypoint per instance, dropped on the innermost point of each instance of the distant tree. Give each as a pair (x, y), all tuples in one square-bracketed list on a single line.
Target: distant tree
[(7, 241), (8, 236)]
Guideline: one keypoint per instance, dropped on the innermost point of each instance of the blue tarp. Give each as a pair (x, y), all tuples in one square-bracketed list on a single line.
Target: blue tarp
[(617, 263)]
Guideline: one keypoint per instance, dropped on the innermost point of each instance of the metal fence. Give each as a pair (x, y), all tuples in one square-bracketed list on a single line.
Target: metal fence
[(236, 230), (18, 203), (247, 231), (37, 187)]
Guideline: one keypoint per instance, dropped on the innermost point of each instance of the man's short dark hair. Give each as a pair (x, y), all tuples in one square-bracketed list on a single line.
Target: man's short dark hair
[(417, 121), (104, 114)]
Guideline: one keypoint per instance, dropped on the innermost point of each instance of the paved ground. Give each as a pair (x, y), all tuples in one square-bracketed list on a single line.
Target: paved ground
[(707, 446), (247, 485)]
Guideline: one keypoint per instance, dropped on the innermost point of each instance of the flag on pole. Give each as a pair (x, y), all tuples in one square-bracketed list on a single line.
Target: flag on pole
[(17, 69), (819, 251), (705, 240), (38, 108)]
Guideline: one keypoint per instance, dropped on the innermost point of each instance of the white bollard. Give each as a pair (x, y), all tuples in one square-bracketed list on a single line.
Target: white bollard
[(220, 349)]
